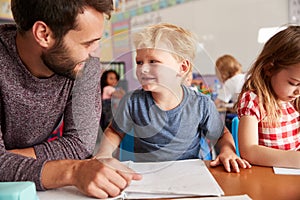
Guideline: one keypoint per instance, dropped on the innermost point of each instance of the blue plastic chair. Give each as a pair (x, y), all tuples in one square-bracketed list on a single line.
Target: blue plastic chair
[(234, 132), (127, 148), (205, 150)]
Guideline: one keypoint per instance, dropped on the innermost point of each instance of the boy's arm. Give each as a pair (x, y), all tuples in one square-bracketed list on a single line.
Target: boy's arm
[(109, 143), (225, 142), (227, 155)]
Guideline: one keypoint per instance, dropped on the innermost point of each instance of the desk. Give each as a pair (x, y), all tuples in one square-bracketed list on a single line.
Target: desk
[(260, 183)]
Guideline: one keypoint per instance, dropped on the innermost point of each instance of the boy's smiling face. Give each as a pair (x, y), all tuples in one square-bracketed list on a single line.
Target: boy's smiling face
[(158, 70)]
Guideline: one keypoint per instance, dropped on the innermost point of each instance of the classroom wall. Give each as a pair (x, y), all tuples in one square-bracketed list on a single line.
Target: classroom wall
[(227, 26), (222, 26)]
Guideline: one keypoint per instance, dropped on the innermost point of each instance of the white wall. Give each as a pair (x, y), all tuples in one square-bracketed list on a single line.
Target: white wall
[(227, 26)]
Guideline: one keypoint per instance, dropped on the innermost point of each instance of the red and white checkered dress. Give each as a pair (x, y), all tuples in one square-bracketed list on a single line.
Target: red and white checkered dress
[(285, 137)]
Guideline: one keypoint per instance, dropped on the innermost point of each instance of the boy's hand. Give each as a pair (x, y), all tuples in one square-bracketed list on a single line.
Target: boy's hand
[(230, 161)]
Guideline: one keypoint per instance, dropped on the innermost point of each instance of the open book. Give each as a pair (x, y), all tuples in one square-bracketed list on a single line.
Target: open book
[(172, 179)]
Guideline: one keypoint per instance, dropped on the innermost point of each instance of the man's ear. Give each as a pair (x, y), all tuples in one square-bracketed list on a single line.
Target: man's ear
[(42, 34), (185, 67)]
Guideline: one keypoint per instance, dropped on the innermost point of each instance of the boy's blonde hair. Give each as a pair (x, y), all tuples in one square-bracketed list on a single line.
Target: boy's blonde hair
[(181, 43), (280, 52), (227, 66)]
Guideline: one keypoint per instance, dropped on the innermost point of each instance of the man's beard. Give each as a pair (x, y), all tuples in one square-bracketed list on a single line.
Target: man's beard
[(58, 60)]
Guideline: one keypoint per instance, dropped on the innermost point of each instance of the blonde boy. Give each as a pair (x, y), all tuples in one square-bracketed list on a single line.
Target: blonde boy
[(168, 119)]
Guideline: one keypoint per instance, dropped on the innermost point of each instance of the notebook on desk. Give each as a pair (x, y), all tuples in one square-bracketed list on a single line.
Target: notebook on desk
[(286, 171), (185, 178)]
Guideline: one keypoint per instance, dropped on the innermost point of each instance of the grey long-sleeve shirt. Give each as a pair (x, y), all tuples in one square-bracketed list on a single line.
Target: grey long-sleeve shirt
[(31, 108)]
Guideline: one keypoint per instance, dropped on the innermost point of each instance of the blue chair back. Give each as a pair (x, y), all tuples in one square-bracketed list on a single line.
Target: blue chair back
[(127, 148), (205, 150), (234, 132)]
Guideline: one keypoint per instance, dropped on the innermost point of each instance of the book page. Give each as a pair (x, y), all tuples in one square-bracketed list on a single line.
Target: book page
[(69, 193), (235, 197), (173, 179), (286, 171)]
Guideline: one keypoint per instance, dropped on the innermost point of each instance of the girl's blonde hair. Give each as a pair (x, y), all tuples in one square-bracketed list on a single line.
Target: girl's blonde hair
[(281, 51), (181, 43), (227, 66)]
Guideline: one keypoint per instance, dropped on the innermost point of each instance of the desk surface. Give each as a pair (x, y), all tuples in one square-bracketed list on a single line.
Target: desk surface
[(260, 183)]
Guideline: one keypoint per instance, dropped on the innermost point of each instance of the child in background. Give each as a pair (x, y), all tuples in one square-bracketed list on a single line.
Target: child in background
[(268, 106), (188, 81), (168, 119), (229, 72), (109, 81)]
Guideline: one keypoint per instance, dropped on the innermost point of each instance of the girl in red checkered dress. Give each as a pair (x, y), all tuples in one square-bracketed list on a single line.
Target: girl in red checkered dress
[(268, 105)]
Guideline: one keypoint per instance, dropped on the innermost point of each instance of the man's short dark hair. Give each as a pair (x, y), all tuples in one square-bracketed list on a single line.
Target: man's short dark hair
[(59, 15)]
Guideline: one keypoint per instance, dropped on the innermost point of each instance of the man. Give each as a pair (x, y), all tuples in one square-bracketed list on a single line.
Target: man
[(48, 76)]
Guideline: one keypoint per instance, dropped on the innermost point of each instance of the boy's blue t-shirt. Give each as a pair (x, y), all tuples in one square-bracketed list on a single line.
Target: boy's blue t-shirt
[(167, 135)]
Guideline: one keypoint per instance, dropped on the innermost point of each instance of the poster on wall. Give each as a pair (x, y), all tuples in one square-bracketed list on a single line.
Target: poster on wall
[(5, 11), (106, 51), (120, 38), (126, 5)]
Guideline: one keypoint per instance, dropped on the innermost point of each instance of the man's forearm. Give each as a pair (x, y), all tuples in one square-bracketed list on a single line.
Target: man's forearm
[(53, 178)]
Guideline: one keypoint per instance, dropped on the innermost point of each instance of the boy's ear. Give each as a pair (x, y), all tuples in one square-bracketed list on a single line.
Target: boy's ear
[(42, 34), (185, 67)]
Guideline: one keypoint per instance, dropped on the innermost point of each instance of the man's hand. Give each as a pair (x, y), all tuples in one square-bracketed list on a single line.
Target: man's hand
[(103, 178), (96, 178)]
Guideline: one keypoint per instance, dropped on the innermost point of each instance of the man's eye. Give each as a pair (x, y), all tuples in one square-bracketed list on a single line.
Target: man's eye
[(90, 44), (294, 84), (87, 45)]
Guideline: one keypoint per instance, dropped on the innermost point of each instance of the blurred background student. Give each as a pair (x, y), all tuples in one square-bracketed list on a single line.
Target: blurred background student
[(110, 95), (229, 72), (188, 81)]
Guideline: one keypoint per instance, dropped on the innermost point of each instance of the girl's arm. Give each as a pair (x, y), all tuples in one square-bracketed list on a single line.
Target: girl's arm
[(227, 155), (260, 155), (109, 143)]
